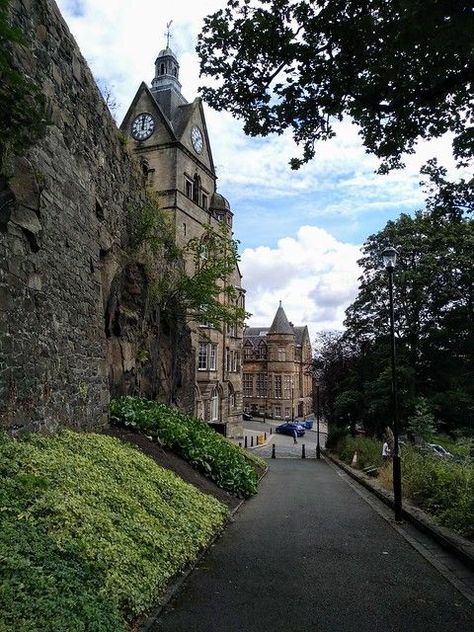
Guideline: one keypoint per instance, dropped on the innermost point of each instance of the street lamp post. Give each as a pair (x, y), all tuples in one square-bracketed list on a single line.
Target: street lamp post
[(389, 258), (318, 447), (292, 401)]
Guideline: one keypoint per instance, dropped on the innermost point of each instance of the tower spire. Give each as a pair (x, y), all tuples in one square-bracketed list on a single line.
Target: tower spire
[(168, 33)]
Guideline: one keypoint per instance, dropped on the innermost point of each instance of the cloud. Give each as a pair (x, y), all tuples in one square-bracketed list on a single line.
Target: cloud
[(326, 207), (312, 273)]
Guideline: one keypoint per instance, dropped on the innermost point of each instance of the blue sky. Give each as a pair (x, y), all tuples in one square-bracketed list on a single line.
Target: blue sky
[(300, 232)]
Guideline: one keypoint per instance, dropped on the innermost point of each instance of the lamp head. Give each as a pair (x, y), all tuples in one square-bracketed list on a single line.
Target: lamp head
[(389, 256)]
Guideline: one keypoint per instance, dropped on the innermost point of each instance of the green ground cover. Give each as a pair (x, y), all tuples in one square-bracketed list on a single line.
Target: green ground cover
[(91, 532), (443, 488), (230, 467)]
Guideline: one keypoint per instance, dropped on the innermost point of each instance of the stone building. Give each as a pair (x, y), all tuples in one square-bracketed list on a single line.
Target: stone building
[(170, 137), (276, 377)]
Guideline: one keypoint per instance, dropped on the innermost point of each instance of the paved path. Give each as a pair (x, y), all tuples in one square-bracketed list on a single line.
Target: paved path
[(309, 554)]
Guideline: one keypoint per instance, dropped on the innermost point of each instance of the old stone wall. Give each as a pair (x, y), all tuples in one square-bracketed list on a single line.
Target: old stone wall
[(75, 320)]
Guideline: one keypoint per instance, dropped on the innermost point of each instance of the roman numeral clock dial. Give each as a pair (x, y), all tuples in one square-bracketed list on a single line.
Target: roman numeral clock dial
[(143, 126)]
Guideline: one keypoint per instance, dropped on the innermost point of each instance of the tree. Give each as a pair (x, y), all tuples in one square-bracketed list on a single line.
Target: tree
[(434, 316), (402, 69)]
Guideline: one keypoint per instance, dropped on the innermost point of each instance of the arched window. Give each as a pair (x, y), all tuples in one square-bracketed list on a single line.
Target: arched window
[(162, 69), (232, 401), (262, 350)]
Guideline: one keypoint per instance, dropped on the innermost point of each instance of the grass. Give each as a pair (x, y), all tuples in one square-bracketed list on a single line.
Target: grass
[(443, 488), (230, 467), (91, 532)]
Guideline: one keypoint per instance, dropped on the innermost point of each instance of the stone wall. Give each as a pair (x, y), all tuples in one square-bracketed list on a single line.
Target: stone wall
[(74, 315)]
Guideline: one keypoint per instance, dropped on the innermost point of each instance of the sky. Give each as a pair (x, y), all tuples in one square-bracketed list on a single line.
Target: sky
[(300, 232)]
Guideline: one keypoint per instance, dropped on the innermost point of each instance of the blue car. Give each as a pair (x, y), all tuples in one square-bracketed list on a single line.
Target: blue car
[(289, 429)]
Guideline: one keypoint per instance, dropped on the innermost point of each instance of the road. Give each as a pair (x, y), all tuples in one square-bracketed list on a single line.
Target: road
[(284, 445), (310, 554)]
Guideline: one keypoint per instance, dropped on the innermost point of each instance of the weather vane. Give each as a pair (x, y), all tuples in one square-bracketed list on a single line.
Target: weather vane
[(168, 33)]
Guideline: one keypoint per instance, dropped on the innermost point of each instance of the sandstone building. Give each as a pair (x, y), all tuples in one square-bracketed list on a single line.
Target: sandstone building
[(169, 135), (276, 377)]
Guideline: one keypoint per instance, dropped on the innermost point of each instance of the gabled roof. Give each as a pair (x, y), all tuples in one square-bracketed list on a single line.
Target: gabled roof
[(143, 88)]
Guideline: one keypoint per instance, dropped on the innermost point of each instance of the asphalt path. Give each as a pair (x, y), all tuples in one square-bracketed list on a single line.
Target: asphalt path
[(308, 553)]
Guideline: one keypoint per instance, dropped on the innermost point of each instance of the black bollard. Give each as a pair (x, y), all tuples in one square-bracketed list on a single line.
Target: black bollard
[(303, 453), (271, 430), (245, 440), (273, 450), (265, 436), (251, 441)]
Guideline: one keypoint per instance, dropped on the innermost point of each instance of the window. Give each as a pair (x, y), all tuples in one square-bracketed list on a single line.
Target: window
[(188, 185), (277, 412), (196, 188), (262, 385), (232, 329), (212, 357), (278, 391), (247, 353), (287, 413), (288, 385), (227, 359), (162, 69), (247, 384), (262, 350), (184, 229), (205, 201), (214, 406), (281, 354), (207, 356)]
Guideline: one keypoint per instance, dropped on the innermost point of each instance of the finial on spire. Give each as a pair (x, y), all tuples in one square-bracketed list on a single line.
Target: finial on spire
[(168, 33), (280, 303)]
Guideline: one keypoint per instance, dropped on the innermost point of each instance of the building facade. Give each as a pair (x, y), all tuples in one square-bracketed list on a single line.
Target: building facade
[(170, 137), (277, 381)]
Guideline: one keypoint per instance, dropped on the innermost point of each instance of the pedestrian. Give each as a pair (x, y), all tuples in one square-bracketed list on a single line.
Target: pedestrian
[(295, 434), (385, 451)]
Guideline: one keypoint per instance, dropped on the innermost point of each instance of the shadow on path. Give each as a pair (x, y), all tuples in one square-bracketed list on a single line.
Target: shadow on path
[(309, 554)]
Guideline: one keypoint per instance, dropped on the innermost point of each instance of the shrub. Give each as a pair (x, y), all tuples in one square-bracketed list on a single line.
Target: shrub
[(369, 451), (335, 436), (441, 487), (91, 531), (219, 459)]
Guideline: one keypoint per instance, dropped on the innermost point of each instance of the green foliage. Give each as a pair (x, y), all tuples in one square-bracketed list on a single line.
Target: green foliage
[(434, 321), (443, 488), (421, 423), (335, 437), (194, 280), (369, 451), (91, 531), (223, 462), (22, 105), (401, 70)]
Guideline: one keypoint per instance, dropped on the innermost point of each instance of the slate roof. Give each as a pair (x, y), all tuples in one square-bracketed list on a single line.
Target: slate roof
[(280, 323), (253, 335)]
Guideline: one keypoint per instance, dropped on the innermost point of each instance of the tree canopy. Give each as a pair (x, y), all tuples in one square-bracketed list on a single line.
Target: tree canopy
[(402, 70), (434, 321)]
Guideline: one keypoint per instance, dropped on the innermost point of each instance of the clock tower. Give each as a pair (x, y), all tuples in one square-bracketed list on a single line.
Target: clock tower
[(170, 137)]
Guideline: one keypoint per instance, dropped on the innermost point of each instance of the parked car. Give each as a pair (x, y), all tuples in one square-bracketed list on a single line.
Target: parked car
[(439, 451), (247, 417), (289, 428)]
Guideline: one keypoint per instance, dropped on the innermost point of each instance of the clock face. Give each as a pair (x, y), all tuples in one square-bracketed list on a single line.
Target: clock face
[(197, 140), (143, 126)]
